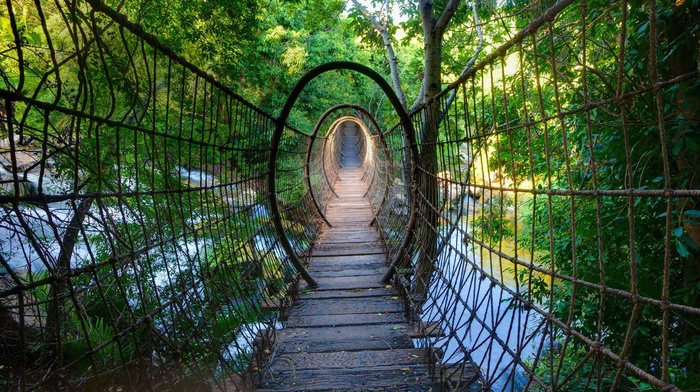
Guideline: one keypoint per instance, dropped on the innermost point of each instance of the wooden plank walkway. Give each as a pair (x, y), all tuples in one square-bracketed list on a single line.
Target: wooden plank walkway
[(350, 334)]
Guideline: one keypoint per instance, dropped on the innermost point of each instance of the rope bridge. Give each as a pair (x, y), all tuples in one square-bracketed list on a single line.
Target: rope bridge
[(541, 213)]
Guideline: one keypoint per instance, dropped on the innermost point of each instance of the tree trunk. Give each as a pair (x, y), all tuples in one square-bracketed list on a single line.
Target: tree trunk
[(428, 154), (55, 314)]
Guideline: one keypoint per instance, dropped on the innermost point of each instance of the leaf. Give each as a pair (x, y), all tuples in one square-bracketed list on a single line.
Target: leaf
[(689, 243), (692, 213), (692, 144), (678, 232), (642, 28), (682, 249), (677, 147)]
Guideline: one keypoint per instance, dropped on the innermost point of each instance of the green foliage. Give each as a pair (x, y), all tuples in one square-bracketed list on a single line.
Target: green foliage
[(495, 220), (608, 240)]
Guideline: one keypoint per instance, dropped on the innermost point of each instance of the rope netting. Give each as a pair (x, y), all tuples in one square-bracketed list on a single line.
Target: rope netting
[(556, 243), (137, 250), (553, 244)]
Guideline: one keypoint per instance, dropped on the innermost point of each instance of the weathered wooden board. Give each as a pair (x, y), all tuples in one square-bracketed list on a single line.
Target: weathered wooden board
[(350, 205), (367, 234), (352, 239), (351, 194), (345, 338), (344, 213), (392, 378), (345, 319), (357, 224), (347, 266), (349, 282), (338, 242), (321, 260), (350, 250), (462, 377), (362, 218), (349, 272), (350, 359), (350, 293), (335, 306), (432, 329), (342, 230)]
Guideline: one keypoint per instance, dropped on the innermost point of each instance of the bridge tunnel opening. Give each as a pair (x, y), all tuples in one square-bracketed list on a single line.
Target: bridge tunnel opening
[(349, 148), (350, 144), (297, 200)]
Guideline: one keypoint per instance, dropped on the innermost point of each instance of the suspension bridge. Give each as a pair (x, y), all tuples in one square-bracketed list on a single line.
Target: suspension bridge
[(159, 232)]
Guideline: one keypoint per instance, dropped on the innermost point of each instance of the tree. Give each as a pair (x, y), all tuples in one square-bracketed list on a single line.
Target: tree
[(435, 18)]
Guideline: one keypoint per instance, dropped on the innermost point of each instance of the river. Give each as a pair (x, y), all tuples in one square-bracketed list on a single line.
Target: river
[(477, 315)]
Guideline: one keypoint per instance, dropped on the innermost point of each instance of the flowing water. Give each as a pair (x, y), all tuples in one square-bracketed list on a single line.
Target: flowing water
[(480, 319)]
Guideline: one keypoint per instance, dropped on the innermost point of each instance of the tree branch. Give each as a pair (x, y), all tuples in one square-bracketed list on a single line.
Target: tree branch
[(383, 31), (375, 22), (447, 15), (419, 98), (471, 61)]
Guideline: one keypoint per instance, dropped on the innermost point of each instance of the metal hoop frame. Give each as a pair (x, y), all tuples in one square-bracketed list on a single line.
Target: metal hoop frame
[(281, 122)]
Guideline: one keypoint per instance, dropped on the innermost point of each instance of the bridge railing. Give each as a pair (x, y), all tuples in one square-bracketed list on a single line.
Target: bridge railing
[(136, 246), (565, 252)]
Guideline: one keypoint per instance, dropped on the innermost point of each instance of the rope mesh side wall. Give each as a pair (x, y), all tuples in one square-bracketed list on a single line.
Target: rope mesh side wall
[(568, 197), (135, 242), (137, 251)]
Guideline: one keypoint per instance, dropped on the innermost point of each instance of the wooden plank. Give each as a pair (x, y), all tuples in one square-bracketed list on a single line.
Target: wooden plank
[(344, 211), (352, 293), (340, 239), (392, 378), (351, 206), (350, 218), (354, 202), (361, 229), (353, 239), (345, 319), (338, 214), (333, 306), (357, 222), (351, 194), (462, 377), (368, 230), (350, 359), (354, 223), (429, 330), (350, 251), (347, 266), (340, 244), (349, 272), (345, 283), (318, 260), (345, 338)]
